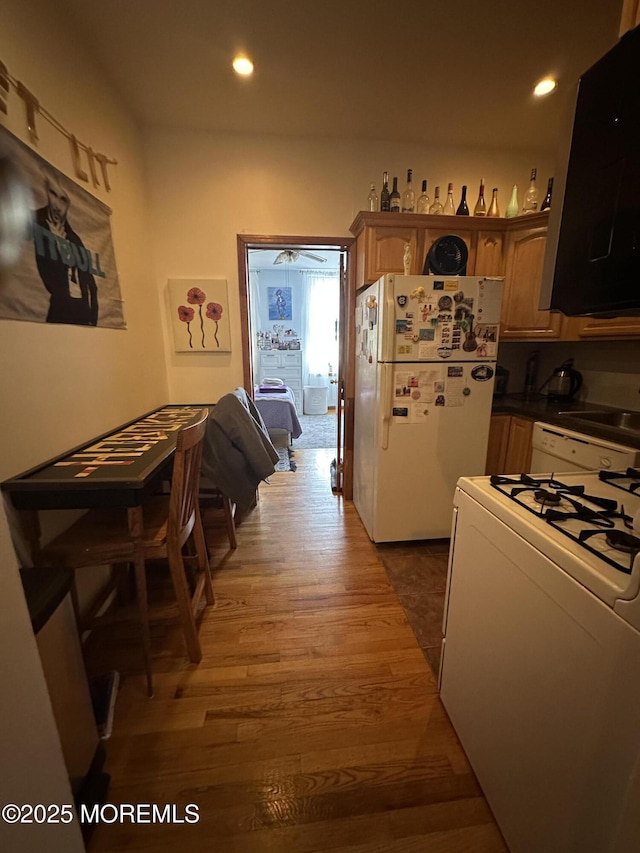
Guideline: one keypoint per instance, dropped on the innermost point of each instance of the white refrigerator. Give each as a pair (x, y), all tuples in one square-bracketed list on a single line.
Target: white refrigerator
[(426, 349)]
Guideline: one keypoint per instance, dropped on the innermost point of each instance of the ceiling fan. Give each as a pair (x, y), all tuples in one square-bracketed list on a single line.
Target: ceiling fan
[(289, 256)]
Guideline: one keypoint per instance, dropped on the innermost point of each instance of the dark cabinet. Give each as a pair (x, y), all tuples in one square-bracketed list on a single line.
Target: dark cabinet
[(598, 256)]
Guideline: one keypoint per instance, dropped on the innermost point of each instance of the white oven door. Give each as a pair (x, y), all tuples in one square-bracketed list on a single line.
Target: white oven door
[(538, 677)]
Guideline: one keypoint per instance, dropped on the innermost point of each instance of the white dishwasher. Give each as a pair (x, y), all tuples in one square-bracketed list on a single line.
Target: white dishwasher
[(558, 450)]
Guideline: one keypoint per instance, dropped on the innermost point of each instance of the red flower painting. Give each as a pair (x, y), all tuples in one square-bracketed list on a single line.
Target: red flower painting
[(195, 296), (214, 312), (199, 301), (186, 316)]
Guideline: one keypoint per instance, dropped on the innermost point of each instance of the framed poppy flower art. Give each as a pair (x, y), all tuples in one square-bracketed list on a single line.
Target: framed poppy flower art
[(199, 312)]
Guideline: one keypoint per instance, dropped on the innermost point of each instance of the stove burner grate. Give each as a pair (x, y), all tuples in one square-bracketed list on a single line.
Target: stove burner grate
[(623, 541), (551, 486), (559, 504), (611, 537), (629, 481), (547, 498)]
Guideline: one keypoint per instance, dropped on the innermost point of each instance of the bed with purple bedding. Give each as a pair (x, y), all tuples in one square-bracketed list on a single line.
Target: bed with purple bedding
[(277, 405)]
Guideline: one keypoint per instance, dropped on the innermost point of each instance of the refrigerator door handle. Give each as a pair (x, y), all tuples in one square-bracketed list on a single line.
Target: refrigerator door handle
[(388, 325), (387, 402)]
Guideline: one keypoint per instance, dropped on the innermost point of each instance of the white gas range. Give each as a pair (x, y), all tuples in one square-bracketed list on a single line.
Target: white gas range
[(540, 668)]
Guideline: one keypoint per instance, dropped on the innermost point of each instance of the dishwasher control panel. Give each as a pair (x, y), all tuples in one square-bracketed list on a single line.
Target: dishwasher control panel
[(558, 449)]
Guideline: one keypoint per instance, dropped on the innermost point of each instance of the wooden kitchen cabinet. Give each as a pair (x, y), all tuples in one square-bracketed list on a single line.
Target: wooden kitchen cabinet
[(498, 443), (489, 256), (618, 327), (385, 252), (513, 248), (381, 238), (509, 448), (524, 259)]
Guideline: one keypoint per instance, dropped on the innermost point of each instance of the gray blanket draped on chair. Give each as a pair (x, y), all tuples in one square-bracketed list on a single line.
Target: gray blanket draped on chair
[(237, 453)]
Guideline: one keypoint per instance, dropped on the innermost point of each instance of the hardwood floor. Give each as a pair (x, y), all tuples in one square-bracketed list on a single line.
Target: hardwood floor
[(312, 723)]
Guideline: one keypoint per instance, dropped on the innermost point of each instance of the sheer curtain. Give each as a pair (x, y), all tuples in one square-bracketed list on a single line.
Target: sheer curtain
[(320, 329), (255, 325)]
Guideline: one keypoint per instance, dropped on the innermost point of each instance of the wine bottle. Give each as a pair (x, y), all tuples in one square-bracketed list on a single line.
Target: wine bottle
[(385, 198), (463, 208), (546, 204), (530, 202), (449, 207), (395, 198), (481, 208), (408, 196), (512, 207), (436, 207), (422, 205), (372, 198), (494, 210)]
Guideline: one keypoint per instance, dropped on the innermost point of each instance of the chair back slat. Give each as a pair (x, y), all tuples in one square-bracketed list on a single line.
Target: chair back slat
[(185, 482)]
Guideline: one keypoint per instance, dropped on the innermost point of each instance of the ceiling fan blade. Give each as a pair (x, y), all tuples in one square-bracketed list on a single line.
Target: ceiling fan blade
[(314, 257), (287, 256)]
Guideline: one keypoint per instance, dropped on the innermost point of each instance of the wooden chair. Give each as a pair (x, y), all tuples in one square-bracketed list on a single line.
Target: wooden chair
[(165, 525), (212, 498)]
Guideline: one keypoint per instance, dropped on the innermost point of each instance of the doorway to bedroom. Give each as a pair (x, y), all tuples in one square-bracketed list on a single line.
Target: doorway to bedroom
[(294, 337)]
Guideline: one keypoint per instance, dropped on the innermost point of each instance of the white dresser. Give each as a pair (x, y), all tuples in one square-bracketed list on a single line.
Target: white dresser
[(285, 365)]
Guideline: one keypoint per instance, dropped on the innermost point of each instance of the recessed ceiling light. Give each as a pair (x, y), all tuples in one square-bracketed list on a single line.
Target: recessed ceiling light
[(243, 66), (545, 86)]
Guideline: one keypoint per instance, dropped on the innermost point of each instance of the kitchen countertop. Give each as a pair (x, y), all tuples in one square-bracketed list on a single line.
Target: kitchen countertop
[(539, 408)]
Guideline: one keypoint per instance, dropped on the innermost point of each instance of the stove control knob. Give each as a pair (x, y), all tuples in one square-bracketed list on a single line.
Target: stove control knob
[(605, 462)]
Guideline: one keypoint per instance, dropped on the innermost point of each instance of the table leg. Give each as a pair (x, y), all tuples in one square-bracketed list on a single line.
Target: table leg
[(136, 527)]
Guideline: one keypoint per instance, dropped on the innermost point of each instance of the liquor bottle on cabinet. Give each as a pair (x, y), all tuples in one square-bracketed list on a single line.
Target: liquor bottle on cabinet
[(436, 207), (395, 198), (372, 198), (546, 204), (385, 197), (408, 196), (494, 210), (463, 208), (422, 205), (512, 207), (530, 202), (481, 208), (449, 207)]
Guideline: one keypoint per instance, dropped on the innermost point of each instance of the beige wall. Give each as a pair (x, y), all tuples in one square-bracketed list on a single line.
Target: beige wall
[(60, 385), (205, 188)]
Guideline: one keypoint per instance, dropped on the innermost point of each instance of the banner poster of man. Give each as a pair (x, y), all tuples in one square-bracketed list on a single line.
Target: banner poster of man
[(66, 272)]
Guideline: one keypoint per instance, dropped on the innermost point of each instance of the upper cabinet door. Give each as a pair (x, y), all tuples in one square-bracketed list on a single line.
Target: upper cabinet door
[(489, 259), (521, 317), (385, 251)]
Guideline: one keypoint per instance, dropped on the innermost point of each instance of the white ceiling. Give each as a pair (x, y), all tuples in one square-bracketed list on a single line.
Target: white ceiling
[(458, 71)]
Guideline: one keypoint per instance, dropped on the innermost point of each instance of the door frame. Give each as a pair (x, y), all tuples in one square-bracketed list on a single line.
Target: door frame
[(345, 401)]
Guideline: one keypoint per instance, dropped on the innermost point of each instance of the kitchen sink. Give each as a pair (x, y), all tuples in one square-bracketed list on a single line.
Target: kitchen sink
[(620, 420)]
